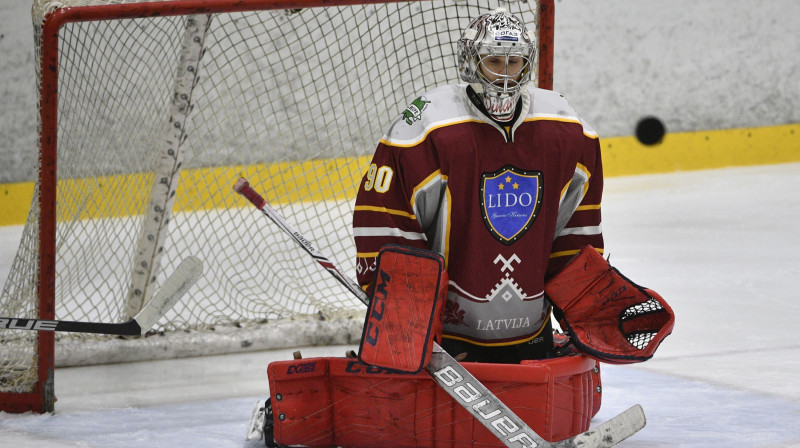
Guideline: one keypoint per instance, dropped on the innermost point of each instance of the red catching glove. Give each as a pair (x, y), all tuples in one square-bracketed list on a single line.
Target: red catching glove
[(607, 316)]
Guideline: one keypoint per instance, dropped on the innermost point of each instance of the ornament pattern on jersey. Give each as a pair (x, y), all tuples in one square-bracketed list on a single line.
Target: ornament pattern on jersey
[(507, 288)]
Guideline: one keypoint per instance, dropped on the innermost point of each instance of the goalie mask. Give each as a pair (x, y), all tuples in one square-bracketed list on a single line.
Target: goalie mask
[(495, 54)]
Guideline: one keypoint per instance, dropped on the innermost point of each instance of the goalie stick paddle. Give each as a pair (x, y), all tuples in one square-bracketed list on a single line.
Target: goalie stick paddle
[(451, 376), (176, 285), (610, 432)]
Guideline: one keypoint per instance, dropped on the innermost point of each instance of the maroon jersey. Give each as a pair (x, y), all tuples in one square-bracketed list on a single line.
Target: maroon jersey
[(507, 206)]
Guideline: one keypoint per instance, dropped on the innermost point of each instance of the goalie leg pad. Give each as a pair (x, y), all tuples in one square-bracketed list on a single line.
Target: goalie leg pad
[(405, 311), (329, 402), (607, 316)]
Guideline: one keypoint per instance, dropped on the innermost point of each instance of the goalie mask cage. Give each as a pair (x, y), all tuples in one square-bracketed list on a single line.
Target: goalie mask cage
[(150, 111)]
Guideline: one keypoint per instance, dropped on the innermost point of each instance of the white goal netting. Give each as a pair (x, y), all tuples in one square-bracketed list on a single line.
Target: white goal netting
[(159, 114)]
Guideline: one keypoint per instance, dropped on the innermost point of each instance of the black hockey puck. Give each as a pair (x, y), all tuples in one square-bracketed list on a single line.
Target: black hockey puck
[(650, 131)]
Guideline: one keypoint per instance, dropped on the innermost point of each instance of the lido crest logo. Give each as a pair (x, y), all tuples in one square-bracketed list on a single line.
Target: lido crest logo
[(510, 200)]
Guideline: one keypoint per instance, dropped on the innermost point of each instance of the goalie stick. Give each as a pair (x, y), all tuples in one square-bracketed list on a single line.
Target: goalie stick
[(176, 285), (451, 376)]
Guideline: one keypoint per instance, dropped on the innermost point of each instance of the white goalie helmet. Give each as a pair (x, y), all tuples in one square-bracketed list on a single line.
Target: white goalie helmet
[(501, 41)]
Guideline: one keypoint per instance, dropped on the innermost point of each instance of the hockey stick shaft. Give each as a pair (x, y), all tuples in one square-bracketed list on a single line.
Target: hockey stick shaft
[(176, 285), (243, 187), (446, 371)]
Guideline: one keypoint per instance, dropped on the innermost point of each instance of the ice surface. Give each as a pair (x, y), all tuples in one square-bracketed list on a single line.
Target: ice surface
[(721, 246)]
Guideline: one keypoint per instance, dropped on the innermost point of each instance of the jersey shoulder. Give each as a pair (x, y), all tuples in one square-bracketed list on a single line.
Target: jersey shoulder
[(551, 105), (441, 106)]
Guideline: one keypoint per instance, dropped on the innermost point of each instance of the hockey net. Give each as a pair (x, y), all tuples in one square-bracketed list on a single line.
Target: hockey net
[(150, 111)]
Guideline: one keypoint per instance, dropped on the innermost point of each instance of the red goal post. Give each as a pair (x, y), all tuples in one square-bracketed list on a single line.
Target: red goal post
[(149, 109)]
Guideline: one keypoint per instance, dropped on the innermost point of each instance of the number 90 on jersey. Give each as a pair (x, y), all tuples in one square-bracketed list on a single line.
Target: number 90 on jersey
[(378, 178)]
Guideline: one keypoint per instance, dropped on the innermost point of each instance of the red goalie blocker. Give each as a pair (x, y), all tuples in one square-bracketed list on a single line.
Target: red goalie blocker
[(404, 315), (607, 316), (329, 402)]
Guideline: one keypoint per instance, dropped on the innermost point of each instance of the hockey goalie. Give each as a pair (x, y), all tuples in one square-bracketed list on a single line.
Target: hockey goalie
[(381, 398), (477, 220)]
